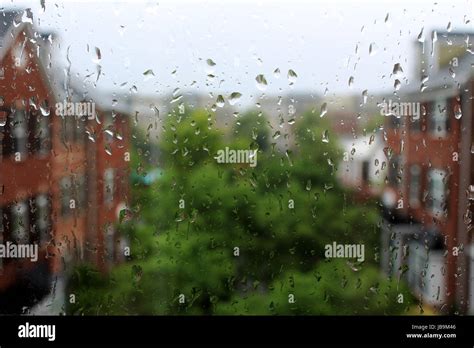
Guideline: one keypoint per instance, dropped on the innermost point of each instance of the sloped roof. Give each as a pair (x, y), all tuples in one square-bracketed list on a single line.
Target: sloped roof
[(13, 21)]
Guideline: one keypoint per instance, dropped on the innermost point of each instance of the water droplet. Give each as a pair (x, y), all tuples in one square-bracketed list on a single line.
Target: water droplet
[(457, 112), (434, 39), (325, 138), (45, 111), (452, 73), (397, 69), (421, 35), (276, 73), (397, 84), (210, 62), (449, 27), (364, 96), (109, 132), (261, 82), (149, 73), (351, 81), (220, 102), (234, 97), (292, 76), (324, 110), (98, 55), (373, 49), (176, 98), (372, 139), (108, 150), (276, 135), (32, 102)]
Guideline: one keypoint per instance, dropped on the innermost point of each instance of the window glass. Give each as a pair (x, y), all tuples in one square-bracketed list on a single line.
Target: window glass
[(437, 181), (415, 185), (293, 158), (20, 225), (439, 118)]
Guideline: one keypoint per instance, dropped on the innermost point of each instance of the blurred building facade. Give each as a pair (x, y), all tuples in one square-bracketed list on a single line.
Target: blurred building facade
[(427, 227), (63, 177)]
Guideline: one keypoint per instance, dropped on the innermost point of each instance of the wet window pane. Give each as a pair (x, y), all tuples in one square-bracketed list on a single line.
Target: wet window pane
[(205, 158)]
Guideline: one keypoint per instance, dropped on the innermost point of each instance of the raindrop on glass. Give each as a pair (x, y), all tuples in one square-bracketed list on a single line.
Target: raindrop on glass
[(373, 49), (148, 73), (397, 69), (351, 81), (261, 82), (457, 112), (276, 73), (324, 110), (220, 102), (397, 84), (234, 97), (449, 27), (364, 96), (210, 62), (325, 137), (292, 76)]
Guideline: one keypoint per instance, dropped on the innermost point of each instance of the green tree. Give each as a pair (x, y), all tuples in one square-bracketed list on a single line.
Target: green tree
[(224, 238)]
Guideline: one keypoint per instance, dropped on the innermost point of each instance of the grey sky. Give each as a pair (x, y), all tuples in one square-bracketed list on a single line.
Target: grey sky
[(246, 38)]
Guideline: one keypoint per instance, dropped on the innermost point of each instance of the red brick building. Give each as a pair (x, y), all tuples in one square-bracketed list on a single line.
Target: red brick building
[(426, 235), (62, 177)]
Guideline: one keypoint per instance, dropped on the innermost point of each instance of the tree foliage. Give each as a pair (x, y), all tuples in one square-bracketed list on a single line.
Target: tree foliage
[(239, 240)]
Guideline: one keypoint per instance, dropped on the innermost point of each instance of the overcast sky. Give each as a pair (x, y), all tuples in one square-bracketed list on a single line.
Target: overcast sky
[(316, 39)]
